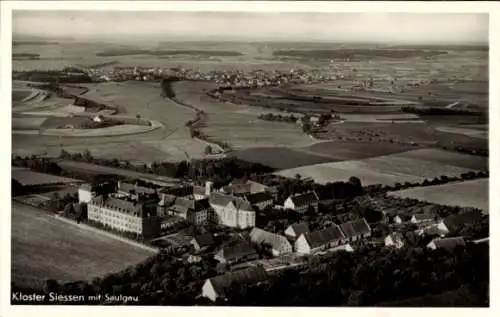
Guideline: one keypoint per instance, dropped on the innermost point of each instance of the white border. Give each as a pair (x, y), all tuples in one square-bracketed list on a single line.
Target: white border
[(492, 8)]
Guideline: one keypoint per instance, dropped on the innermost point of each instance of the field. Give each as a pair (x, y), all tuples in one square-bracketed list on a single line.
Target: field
[(44, 247), (28, 177), (238, 125), (27, 123), (168, 143), (413, 166), (473, 193)]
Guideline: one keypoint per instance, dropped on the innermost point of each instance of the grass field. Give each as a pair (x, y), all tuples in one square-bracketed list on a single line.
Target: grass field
[(44, 247), (27, 123), (473, 193), (168, 143), (28, 177), (238, 124), (387, 170)]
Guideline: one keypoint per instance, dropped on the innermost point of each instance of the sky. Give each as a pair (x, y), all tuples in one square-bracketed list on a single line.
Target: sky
[(422, 28)]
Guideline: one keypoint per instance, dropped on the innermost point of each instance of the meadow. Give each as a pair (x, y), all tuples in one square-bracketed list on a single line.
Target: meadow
[(238, 125), (471, 193), (389, 169), (44, 247)]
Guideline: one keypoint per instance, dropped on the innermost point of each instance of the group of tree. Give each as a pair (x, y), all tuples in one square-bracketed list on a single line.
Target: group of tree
[(278, 117), (345, 279)]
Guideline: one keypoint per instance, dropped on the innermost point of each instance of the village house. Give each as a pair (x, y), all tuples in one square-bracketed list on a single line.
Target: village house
[(295, 230), (302, 202), (446, 243), (218, 287), (196, 212), (85, 193), (356, 229), (279, 244), (319, 240), (124, 215), (457, 221), (236, 252), (232, 211), (202, 242), (397, 220), (423, 219), (260, 200), (395, 239)]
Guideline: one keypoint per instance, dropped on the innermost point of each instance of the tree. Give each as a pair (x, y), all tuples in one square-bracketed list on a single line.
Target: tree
[(208, 150)]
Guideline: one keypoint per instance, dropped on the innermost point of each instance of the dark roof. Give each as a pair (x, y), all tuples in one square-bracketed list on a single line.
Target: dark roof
[(258, 197), (355, 228), (192, 204), (238, 189), (322, 237), (449, 243), (236, 249), (276, 241), (127, 187), (223, 200), (300, 228), (220, 199), (204, 240), (252, 275), (304, 199), (179, 191), (424, 216), (457, 221)]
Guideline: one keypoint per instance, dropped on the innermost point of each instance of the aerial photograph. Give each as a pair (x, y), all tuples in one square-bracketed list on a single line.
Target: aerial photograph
[(215, 158)]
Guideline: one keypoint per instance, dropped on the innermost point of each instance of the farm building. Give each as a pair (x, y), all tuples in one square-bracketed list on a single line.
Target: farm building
[(294, 231), (260, 200), (302, 202), (232, 211), (356, 229), (446, 243), (395, 239), (424, 218), (218, 287), (318, 240), (202, 241), (432, 230), (458, 221), (279, 244), (125, 215), (235, 252)]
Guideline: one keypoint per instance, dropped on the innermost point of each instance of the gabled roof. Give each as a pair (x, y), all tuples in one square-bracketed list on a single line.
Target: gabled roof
[(300, 228), (241, 204), (322, 237), (192, 204), (258, 197), (87, 187), (457, 221), (449, 243), (121, 205), (236, 249), (355, 228), (276, 241), (252, 275), (304, 199), (219, 199), (204, 240)]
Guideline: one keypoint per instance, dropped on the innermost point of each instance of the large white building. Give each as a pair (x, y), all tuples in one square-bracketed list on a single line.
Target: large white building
[(124, 215), (85, 193), (232, 211)]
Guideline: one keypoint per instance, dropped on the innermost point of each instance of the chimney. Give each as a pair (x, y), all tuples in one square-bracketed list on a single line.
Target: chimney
[(208, 188)]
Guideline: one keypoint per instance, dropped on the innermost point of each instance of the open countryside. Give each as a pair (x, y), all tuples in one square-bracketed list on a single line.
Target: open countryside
[(251, 173)]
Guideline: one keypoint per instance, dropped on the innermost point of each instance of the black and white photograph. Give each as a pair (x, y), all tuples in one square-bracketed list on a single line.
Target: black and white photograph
[(248, 158)]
